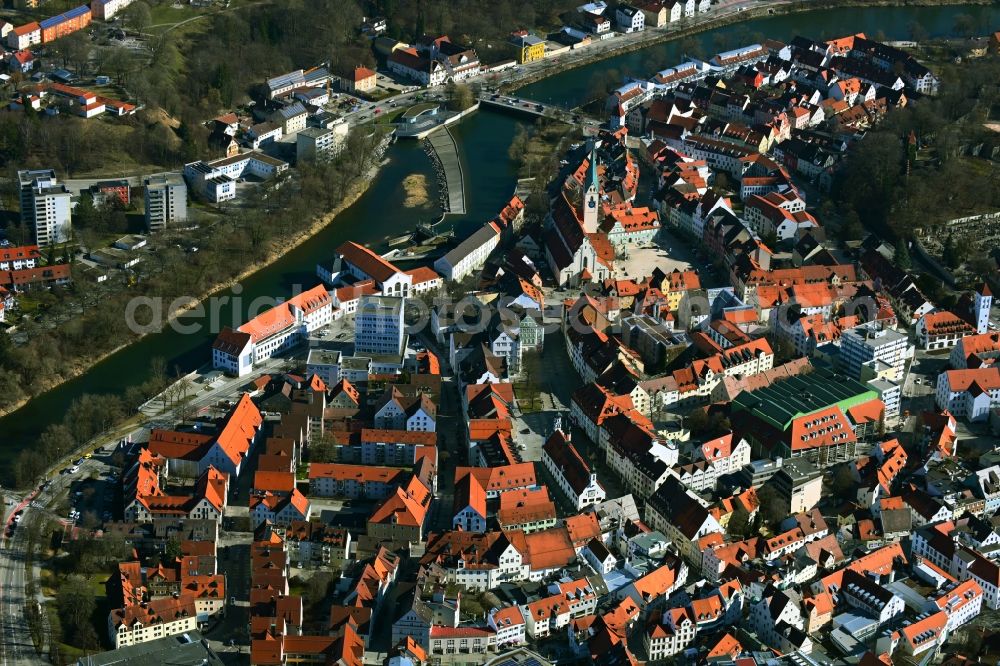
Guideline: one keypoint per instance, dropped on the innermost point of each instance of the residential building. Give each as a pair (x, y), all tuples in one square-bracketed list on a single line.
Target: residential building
[(55, 27), (148, 621), (873, 341), (629, 18), (577, 481), (354, 481), (46, 206), (165, 201), (379, 327), (105, 10), (23, 36), (530, 47), (969, 394), (798, 483), (320, 143)]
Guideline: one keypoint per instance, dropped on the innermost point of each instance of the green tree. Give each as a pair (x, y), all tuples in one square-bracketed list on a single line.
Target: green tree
[(76, 603), (85, 213), (172, 549), (850, 228), (901, 255), (137, 16), (773, 507), (952, 254)]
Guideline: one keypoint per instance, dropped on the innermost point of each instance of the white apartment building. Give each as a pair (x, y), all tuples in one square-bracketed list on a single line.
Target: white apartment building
[(19, 258), (378, 326), (139, 623), (320, 143), (46, 206), (969, 394), (630, 19), (873, 341), (106, 9), (166, 201)]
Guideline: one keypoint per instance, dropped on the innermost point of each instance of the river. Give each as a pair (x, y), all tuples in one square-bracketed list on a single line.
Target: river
[(483, 139)]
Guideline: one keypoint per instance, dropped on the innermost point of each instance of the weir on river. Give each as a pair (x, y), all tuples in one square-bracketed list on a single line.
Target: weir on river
[(450, 163)]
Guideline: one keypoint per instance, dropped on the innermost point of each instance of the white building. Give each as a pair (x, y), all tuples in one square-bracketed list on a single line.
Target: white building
[(969, 394), (46, 206), (320, 143), (166, 201), (139, 623), (106, 9), (378, 326), (571, 473), (216, 180), (873, 341), (354, 263), (273, 331), (630, 19), (508, 623), (470, 255)]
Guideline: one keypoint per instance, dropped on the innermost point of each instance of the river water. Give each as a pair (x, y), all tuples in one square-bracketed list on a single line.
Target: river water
[(483, 140)]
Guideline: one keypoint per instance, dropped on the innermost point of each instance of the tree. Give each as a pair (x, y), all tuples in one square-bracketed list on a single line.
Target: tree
[(773, 507), (172, 549), (460, 97), (953, 253), (917, 32), (85, 212), (850, 228), (964, 25), (901, 255), (739, 524), (518, 149), (137, 16), (76, 603)]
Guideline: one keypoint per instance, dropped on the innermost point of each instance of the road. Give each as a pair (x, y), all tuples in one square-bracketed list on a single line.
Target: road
[(16, 646), (366, 112)]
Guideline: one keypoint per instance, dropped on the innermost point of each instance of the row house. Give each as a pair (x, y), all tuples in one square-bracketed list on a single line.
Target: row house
[(354, 481), (567, 601)]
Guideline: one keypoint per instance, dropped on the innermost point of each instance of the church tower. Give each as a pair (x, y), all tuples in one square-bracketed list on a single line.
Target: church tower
[(981, 308), (591, 197)]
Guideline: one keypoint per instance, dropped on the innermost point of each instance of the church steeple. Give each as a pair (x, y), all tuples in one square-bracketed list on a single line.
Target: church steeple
[(592, 196)]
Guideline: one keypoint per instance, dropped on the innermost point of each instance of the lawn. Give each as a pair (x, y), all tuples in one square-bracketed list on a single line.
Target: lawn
[(165, 15)]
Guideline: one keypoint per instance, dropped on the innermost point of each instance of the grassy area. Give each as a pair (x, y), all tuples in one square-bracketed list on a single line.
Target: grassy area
[(171, 14), (389, 117), (417, 109)]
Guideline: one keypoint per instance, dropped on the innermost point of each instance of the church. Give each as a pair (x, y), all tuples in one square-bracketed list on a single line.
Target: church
[(575, 248)]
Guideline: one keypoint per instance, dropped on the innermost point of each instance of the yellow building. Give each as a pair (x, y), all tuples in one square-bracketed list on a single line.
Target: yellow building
[(530, 47)]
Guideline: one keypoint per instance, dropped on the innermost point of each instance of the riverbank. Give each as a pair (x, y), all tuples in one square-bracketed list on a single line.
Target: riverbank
[(761, 11), (279, 249)]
